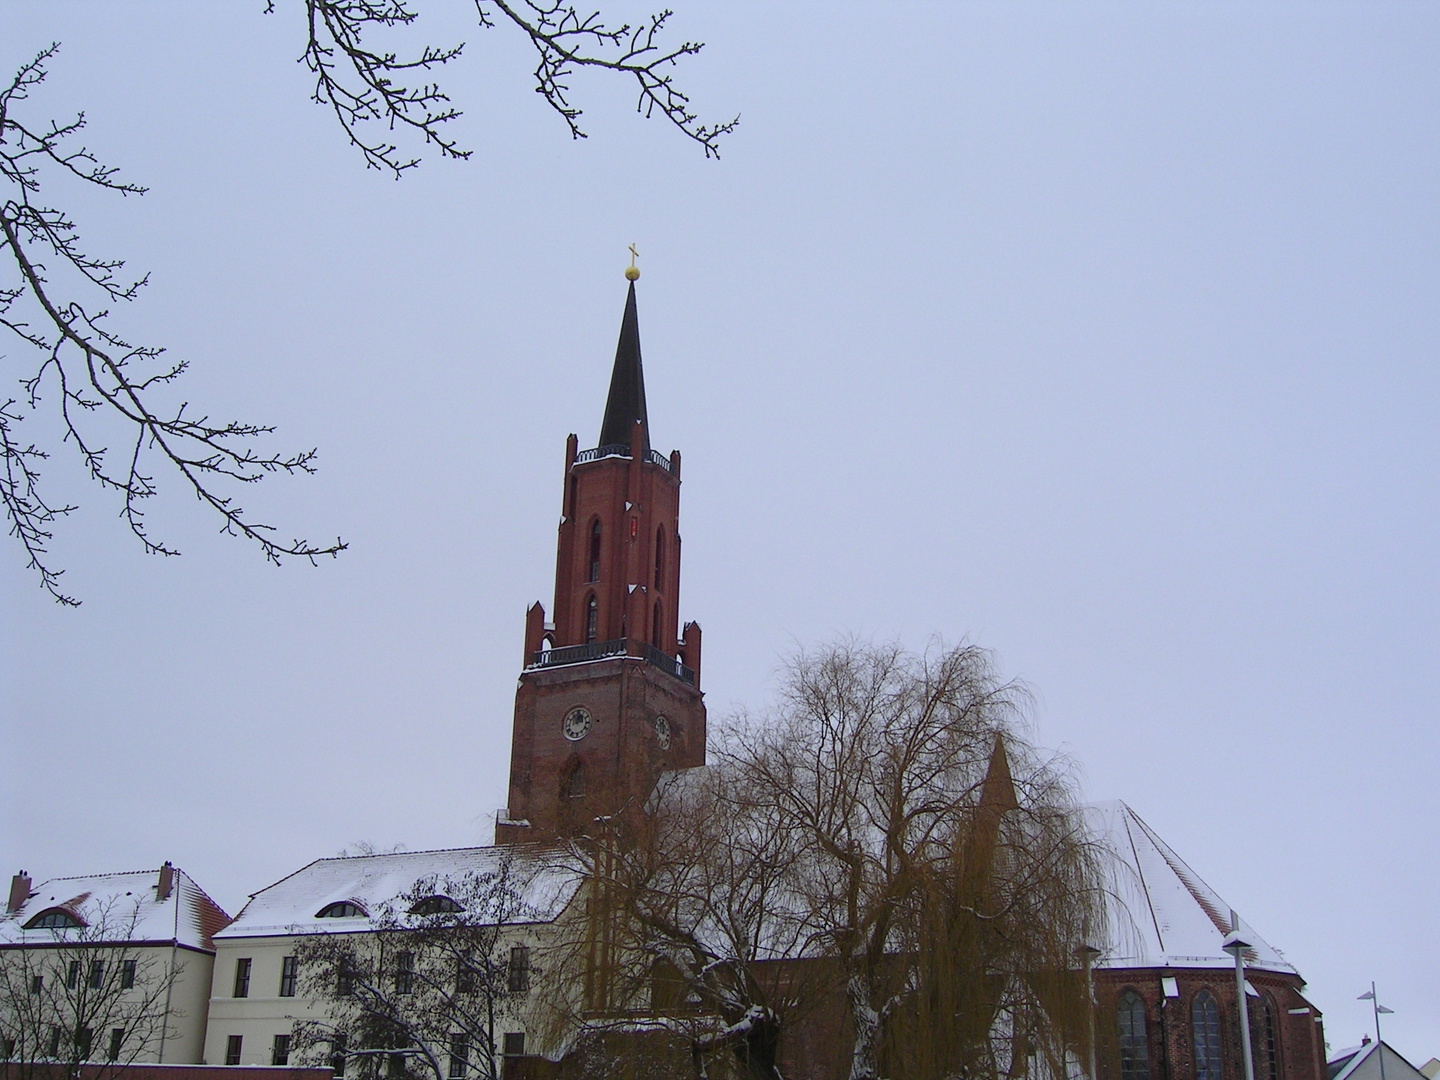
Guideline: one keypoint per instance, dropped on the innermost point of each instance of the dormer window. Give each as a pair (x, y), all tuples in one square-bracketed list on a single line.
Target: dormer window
[(54, 919), (343, 909), (436, 905)]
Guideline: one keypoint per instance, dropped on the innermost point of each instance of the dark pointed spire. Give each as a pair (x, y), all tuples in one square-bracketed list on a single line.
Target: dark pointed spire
[(626, 402), (998, 792)]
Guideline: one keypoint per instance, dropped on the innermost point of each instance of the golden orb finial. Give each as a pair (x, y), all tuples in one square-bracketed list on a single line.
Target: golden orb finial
[(632, 272)]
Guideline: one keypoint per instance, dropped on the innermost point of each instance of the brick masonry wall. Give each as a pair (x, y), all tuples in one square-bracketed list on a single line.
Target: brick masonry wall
[(622, 754), (1299, 1036)]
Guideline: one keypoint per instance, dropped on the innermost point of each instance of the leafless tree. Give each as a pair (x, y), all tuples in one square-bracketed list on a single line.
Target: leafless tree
[(688, 929), (951, 893), (84, 995), (883, 845), (426, 983), (114, 399)]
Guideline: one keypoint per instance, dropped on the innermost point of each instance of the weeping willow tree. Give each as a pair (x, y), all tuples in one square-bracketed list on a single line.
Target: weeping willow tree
[(879, 869), (998, 990), (942, 865)]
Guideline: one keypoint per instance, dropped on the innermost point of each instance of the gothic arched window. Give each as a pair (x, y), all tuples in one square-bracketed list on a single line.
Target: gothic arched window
[(660, 557), (573, 785), (1205, 1025), (667, 987), (655, 626), (1134, 1040), (594, 551), (592, 618), (1263, 1044)]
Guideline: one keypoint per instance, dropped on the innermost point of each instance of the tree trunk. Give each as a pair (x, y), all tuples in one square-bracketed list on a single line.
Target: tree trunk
[(863, 1064)]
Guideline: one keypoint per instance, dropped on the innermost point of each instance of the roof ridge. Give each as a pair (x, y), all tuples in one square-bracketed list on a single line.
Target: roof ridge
[(85, 877), (426, 851)]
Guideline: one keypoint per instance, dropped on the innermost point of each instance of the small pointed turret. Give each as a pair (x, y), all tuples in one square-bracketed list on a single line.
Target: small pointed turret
[(626, 403)]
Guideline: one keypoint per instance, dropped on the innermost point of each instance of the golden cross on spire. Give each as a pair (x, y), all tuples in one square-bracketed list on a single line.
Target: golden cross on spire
[(632, 272)]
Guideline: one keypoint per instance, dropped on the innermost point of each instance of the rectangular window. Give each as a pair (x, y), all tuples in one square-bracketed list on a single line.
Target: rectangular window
[(344, 979), (232, 1050), (7, 1047), (84, 1039), (519, 980), (55, 1041), (337, 1054), (459, 1056), (514, 1043), (242, 977), (289, 968), (280, 1052), (37, 983), (97, 974), (117, 1042), (72, 976), (127, 974), (465, 975), (404, 972)]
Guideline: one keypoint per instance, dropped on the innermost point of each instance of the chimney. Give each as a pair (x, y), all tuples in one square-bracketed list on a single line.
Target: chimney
[(166, 882), (19, 891)]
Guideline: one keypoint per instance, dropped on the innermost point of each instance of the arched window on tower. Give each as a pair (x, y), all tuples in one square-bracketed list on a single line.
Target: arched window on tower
[(655, 627), (594, 551), (1263, 1043), (660, 557), (1205, 1028), (572, 786), (592, 618), (1134, 1039)]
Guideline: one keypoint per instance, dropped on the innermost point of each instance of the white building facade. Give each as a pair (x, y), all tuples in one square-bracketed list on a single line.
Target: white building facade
[(262, 986), (117, 965)]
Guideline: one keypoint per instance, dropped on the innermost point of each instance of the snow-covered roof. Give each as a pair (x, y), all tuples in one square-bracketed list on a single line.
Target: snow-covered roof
[(1363, 1063), (120, 907), (1161, 913), (292, 905)]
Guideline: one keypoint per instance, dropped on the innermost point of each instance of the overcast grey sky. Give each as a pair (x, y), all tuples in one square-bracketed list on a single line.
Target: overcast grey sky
[(1104, 335)]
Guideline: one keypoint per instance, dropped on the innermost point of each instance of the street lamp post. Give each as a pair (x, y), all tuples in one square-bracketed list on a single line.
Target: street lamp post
[(1369, 996), (1088, 953), (1235, 945)]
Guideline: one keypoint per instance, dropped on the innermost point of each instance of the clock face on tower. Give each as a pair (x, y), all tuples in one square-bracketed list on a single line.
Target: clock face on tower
[(577, 724)]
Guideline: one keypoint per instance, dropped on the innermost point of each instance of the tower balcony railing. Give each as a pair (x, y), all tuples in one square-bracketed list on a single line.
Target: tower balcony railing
[(578, 654), (622, 450), (668, 664), (599, 650), (613, 449)]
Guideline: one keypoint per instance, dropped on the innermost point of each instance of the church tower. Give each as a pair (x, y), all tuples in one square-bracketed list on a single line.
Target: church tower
[(609, 695)]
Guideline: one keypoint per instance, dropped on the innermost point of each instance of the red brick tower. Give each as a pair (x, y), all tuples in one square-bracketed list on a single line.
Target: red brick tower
[(610, 692)]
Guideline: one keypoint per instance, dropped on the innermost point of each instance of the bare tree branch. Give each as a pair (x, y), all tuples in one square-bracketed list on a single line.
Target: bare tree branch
[(372, 89), (101, 386)]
